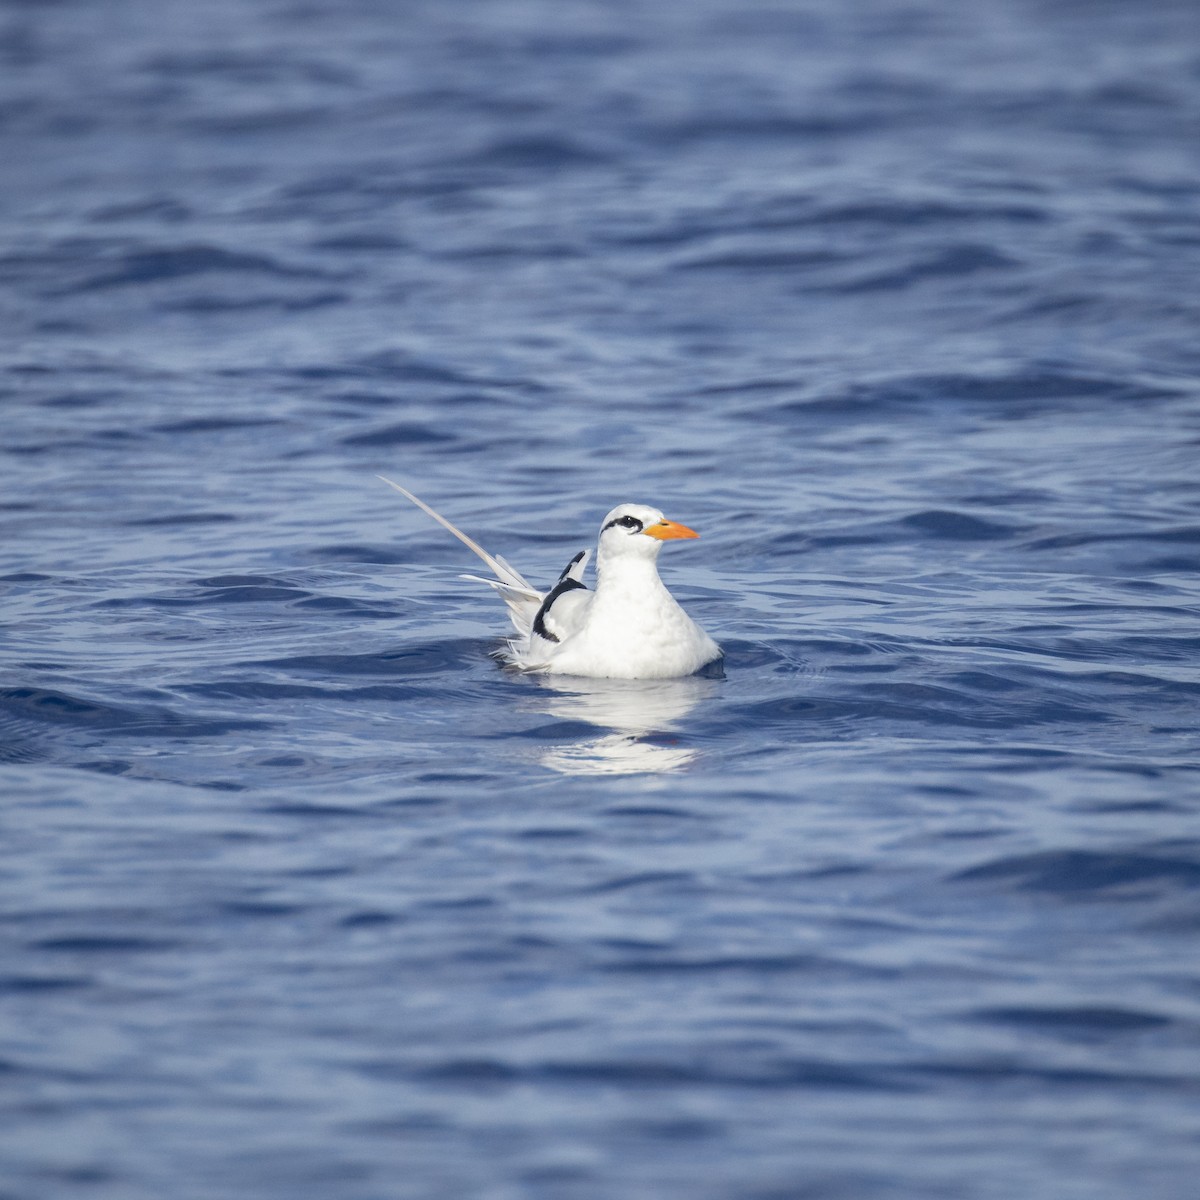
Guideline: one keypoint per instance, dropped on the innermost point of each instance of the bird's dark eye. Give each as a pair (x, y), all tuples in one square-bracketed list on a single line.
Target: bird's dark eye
[(626, 522)]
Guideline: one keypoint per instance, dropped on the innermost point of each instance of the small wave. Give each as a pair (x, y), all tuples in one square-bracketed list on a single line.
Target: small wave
[(1185, 536), (43, 710), (429, 658), (1072, 1021), (534, 152), (262, 689), (756, 126), (953, 525), (945, 263), (359, 553), (250, 594), (645, 879), (169, 263), (406, 433), (105, 944), (730, 1068), (1080, 874), (914, 214), (1021, 391), (183, 518), (214, 425), (24, 984), (232, 589)]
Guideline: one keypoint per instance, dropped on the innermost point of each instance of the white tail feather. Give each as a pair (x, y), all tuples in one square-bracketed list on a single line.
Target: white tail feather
[(500, 586), (522, 599)]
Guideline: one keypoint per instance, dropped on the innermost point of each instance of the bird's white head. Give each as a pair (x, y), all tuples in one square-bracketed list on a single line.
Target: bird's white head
[(638, 531)]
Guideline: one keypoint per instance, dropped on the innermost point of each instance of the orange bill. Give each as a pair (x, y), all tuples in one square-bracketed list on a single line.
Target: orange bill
[(666, 530)]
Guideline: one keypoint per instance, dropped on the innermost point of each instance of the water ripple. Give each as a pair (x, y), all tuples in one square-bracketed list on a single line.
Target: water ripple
[(896, 304)]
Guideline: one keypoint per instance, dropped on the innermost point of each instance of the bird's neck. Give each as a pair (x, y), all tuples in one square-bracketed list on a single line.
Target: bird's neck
[(626, 571)]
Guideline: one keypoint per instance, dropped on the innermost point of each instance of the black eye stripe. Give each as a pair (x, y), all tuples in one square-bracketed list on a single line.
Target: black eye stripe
[(627, 522)]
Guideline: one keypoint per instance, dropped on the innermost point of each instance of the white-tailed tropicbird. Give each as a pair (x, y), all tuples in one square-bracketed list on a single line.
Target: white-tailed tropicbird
[(629, 627)]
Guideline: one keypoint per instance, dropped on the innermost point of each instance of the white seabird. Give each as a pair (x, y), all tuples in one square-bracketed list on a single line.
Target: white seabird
[(629, 627)]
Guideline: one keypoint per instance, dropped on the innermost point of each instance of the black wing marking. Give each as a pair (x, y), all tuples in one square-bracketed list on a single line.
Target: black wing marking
[(568, 581), (569, 568)]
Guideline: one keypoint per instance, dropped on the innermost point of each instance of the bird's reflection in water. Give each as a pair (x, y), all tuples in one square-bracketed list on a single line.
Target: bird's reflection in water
[(629, 714)]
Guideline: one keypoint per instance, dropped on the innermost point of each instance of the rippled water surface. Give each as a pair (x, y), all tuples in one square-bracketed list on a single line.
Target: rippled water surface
[(303, 896)]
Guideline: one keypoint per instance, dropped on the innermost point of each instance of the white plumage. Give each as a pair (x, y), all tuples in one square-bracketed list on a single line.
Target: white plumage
[(629, 627)]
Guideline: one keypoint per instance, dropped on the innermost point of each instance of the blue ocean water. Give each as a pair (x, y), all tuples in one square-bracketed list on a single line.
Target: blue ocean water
[(303, 896)]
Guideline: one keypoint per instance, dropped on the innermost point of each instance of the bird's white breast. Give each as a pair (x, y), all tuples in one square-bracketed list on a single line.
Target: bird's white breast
[(634, 629)]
